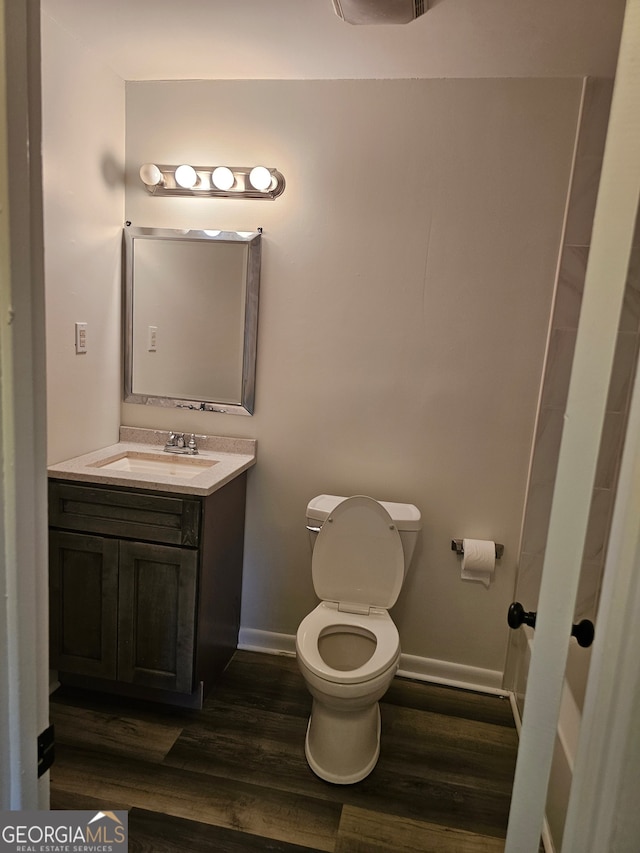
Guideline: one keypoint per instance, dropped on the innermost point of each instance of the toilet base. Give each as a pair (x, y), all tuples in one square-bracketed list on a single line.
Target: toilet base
[(343, 748)]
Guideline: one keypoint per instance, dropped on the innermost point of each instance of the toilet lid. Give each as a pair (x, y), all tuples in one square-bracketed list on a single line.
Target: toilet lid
[(358, 557)]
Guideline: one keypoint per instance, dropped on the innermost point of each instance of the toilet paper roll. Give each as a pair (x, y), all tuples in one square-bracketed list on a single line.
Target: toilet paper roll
[(479, 560)]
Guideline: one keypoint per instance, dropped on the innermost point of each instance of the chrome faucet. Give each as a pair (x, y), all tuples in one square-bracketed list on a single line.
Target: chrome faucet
[(176, 444)]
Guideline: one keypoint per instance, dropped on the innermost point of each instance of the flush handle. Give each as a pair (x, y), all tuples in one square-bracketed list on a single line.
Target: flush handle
[(584, 631)]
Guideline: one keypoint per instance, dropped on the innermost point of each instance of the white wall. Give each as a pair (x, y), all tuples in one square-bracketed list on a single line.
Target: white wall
[(83, 156), (402, 319), (294, 40)]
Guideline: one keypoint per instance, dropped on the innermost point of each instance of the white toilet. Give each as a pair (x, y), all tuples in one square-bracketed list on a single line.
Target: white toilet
[(348, 648)]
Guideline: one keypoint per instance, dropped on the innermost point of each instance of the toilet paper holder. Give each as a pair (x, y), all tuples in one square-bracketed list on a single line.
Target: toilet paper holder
[(457, 546)]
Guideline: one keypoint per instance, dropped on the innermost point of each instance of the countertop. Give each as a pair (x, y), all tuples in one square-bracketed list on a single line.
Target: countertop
[(232, 456)]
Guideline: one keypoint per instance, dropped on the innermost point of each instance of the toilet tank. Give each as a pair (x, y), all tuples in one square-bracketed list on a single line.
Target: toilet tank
[(405, 516)]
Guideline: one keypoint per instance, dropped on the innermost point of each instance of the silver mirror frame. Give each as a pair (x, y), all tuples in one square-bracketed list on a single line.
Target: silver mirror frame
[(254, 245)]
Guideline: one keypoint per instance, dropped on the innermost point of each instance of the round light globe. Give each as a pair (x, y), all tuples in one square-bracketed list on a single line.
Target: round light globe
[(186, 176), (260, 178), (150, 174), (222, 178)]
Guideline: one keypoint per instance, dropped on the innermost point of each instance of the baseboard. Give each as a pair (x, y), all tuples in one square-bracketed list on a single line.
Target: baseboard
[(411, 666), (252, 640), (452, 674)]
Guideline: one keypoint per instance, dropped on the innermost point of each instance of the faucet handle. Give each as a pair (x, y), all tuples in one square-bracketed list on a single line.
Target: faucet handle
[(193, 447), (171, 440)]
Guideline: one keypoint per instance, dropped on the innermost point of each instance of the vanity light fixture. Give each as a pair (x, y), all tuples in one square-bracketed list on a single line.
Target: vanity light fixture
[(212, 181)]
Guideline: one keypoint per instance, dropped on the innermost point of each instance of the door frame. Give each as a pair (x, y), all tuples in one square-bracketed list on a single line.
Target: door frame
[(24, 678), (610, 700), (603, 813)]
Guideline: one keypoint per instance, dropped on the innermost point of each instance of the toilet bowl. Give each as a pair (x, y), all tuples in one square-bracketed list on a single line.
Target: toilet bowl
[(348, 647)]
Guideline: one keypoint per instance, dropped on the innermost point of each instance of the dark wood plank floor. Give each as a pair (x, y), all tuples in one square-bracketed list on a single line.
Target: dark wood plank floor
[(233, 777)]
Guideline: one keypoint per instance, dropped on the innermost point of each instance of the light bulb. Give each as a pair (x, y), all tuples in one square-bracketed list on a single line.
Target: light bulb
[(211, 233), (150, 174), (186, 176), (260, 178), (222, 178)]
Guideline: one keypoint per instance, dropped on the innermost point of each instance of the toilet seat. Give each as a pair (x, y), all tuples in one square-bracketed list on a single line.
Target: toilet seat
[(358, 570), (327, 615), (358, 559)]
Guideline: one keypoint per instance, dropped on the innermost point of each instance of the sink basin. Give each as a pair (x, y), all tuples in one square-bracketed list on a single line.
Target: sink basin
[(139, 462)]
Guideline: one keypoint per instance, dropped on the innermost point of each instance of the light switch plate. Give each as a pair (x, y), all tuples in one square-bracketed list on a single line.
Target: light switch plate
[(81, 338)]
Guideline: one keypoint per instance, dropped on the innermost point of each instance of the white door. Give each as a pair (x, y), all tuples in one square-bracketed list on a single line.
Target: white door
[(594, 811), (23, 517)]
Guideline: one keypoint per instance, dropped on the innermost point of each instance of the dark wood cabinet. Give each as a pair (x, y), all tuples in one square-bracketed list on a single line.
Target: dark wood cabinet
[(83, 594), (157, 615), (144, 588)]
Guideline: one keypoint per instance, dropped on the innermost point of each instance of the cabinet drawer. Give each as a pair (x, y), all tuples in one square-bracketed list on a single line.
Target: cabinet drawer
[(125, 513)]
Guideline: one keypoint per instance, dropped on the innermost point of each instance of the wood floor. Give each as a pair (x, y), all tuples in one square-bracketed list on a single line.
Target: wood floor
[(233, 777)]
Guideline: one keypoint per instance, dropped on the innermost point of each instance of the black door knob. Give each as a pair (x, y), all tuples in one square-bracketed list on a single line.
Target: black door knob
[(518, 616), (584, 631)]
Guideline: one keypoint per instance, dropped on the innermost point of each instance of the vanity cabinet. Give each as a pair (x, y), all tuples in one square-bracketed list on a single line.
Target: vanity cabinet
[(144, 588)]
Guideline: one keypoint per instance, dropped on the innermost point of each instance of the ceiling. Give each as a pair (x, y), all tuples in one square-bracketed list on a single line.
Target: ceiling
[(304, 39)]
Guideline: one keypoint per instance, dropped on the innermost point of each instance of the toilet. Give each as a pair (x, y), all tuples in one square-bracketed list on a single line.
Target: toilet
[(348, 647)]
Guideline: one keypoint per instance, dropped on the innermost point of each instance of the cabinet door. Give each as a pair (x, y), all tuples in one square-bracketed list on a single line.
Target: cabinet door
[(83, 582), (156, 616)]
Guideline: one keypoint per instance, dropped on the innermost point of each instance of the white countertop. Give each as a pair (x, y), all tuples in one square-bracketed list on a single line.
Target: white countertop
[(232, 456)]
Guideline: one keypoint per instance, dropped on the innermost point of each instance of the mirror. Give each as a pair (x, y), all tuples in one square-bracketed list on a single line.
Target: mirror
[(191, 318)]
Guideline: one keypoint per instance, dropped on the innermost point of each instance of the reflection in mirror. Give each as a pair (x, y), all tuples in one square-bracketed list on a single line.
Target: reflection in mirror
[(191, 316)]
